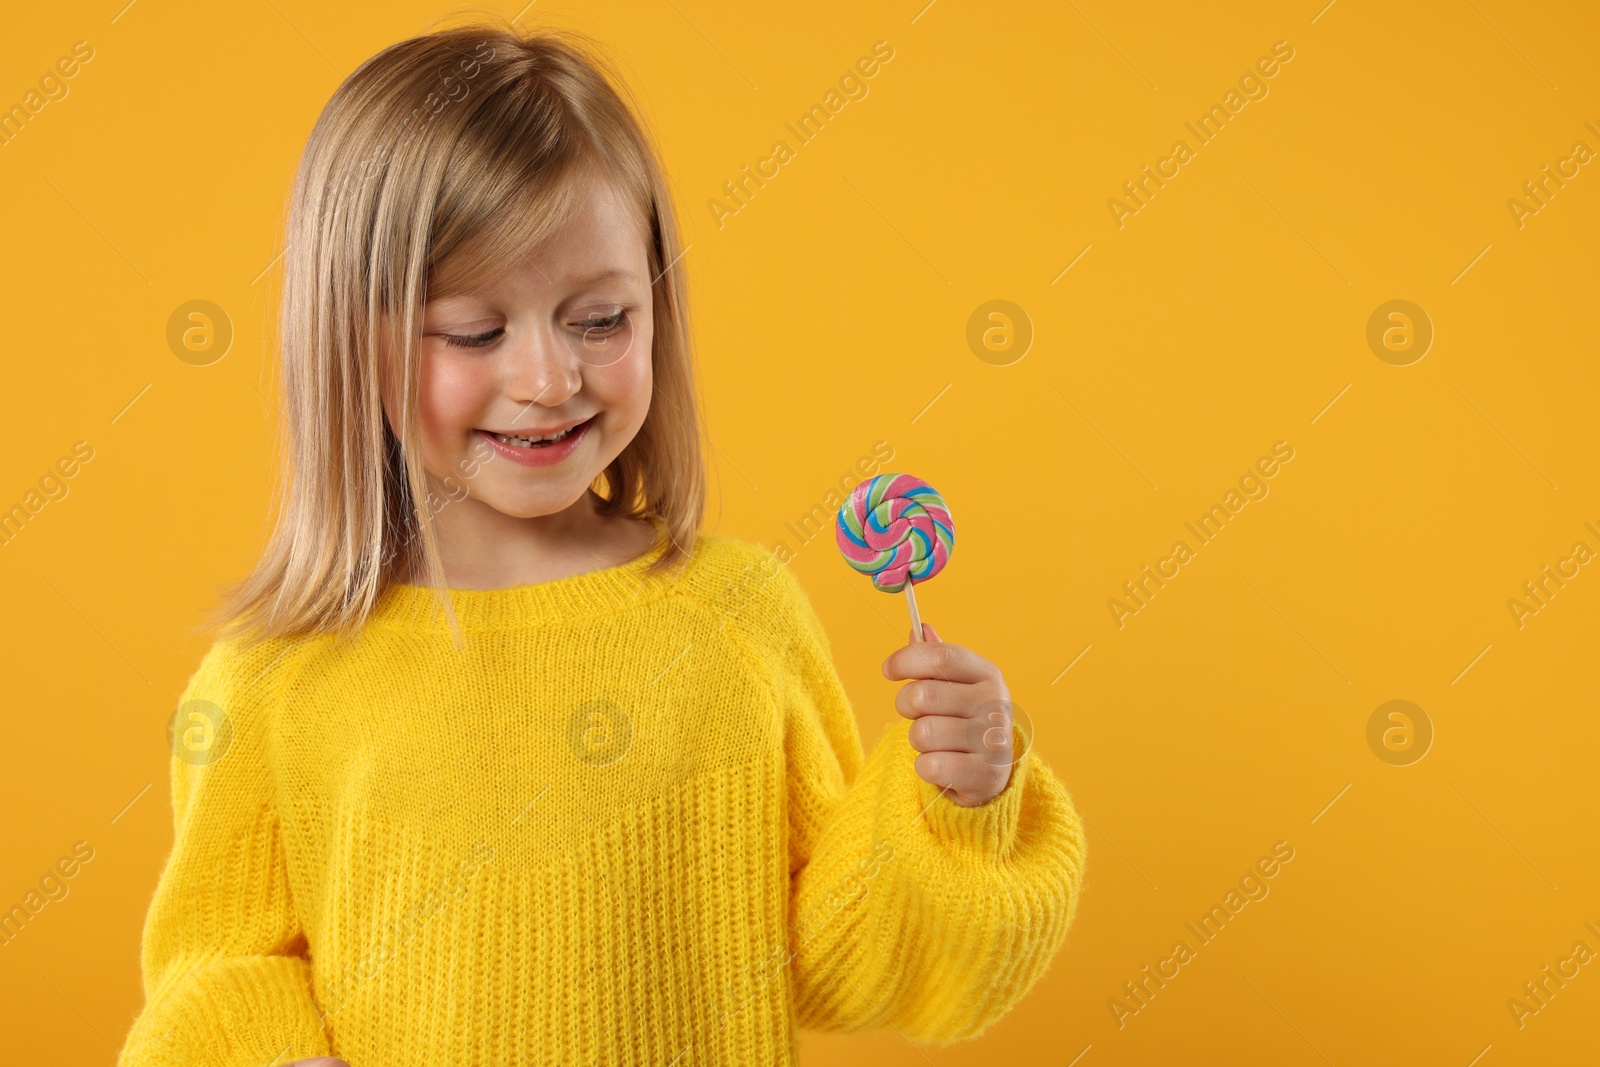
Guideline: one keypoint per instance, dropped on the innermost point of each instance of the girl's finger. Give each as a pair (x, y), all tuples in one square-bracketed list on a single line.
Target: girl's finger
[(927, 696), (936, 659), (944, 733), (962, 775), (989, 736)]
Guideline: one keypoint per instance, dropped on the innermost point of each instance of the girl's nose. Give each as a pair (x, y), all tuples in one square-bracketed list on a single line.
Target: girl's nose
[(542, 369)]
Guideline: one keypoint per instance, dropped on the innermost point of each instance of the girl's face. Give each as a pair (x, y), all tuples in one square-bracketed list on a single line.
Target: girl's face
[(558, 343)]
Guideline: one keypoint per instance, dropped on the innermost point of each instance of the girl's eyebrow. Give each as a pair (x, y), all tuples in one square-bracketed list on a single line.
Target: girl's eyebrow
[(487, 292), (606, 275)]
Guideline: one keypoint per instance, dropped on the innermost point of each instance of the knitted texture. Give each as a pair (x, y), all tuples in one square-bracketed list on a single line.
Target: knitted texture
[(631, 823)]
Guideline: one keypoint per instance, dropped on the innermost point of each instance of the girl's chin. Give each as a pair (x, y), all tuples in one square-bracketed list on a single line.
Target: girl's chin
[(550, 500)]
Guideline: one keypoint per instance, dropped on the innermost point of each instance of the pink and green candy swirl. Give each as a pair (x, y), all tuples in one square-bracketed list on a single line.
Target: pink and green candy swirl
[(896, 528)]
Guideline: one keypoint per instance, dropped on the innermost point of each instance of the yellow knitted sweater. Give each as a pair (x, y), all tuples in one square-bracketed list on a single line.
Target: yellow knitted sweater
[(631, 823)]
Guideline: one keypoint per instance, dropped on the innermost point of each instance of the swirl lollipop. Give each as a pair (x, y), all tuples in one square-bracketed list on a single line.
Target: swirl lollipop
[(898, 529)]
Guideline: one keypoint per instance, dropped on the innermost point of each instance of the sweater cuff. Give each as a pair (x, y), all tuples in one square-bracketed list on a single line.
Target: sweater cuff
[(990, 828), (255, 1010)]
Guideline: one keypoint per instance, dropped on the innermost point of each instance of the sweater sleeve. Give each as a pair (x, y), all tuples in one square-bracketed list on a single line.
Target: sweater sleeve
[(226, 974), (906, 908)]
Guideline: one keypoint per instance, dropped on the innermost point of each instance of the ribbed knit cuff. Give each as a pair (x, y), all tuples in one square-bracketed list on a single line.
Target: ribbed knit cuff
[(248, 1010), (988, 828)]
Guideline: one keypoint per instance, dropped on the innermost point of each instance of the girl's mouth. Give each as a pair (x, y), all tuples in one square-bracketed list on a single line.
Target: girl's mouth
[(533, 442), (538, 451)]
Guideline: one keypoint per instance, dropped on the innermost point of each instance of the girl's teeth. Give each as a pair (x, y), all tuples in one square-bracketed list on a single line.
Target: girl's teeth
[(528, 442)]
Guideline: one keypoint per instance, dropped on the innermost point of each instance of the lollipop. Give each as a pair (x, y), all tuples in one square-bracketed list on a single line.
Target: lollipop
[(898, 529)]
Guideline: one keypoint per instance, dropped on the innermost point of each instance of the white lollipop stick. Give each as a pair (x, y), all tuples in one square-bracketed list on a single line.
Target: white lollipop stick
[(916, 620)]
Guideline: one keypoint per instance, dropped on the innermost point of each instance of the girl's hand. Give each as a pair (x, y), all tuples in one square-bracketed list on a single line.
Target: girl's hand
[(961, 712)]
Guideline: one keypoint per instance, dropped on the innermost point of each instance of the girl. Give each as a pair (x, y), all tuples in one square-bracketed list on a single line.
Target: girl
[(497, 758)]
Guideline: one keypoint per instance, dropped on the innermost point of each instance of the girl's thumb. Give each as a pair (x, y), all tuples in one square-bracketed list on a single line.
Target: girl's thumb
[(929, 633)]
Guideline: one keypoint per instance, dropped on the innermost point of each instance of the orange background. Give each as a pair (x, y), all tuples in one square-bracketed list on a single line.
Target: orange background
[(1230, 312)]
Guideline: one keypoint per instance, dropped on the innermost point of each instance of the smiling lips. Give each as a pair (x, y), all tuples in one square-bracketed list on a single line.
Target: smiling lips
[(539, 450), (524, 439)]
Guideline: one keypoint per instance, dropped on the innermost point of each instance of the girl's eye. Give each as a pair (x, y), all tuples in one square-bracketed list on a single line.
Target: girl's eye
[(596, 322), (475, 341), (592, 324)]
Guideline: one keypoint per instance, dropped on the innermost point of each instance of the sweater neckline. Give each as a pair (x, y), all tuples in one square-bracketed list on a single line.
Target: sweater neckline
[(588, 594)]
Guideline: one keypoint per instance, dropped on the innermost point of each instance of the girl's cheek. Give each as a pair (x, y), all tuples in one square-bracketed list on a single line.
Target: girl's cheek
[(629, 381), (452, 396)]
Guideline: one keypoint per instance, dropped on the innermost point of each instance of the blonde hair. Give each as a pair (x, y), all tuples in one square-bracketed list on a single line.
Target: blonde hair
[(475, 140)]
